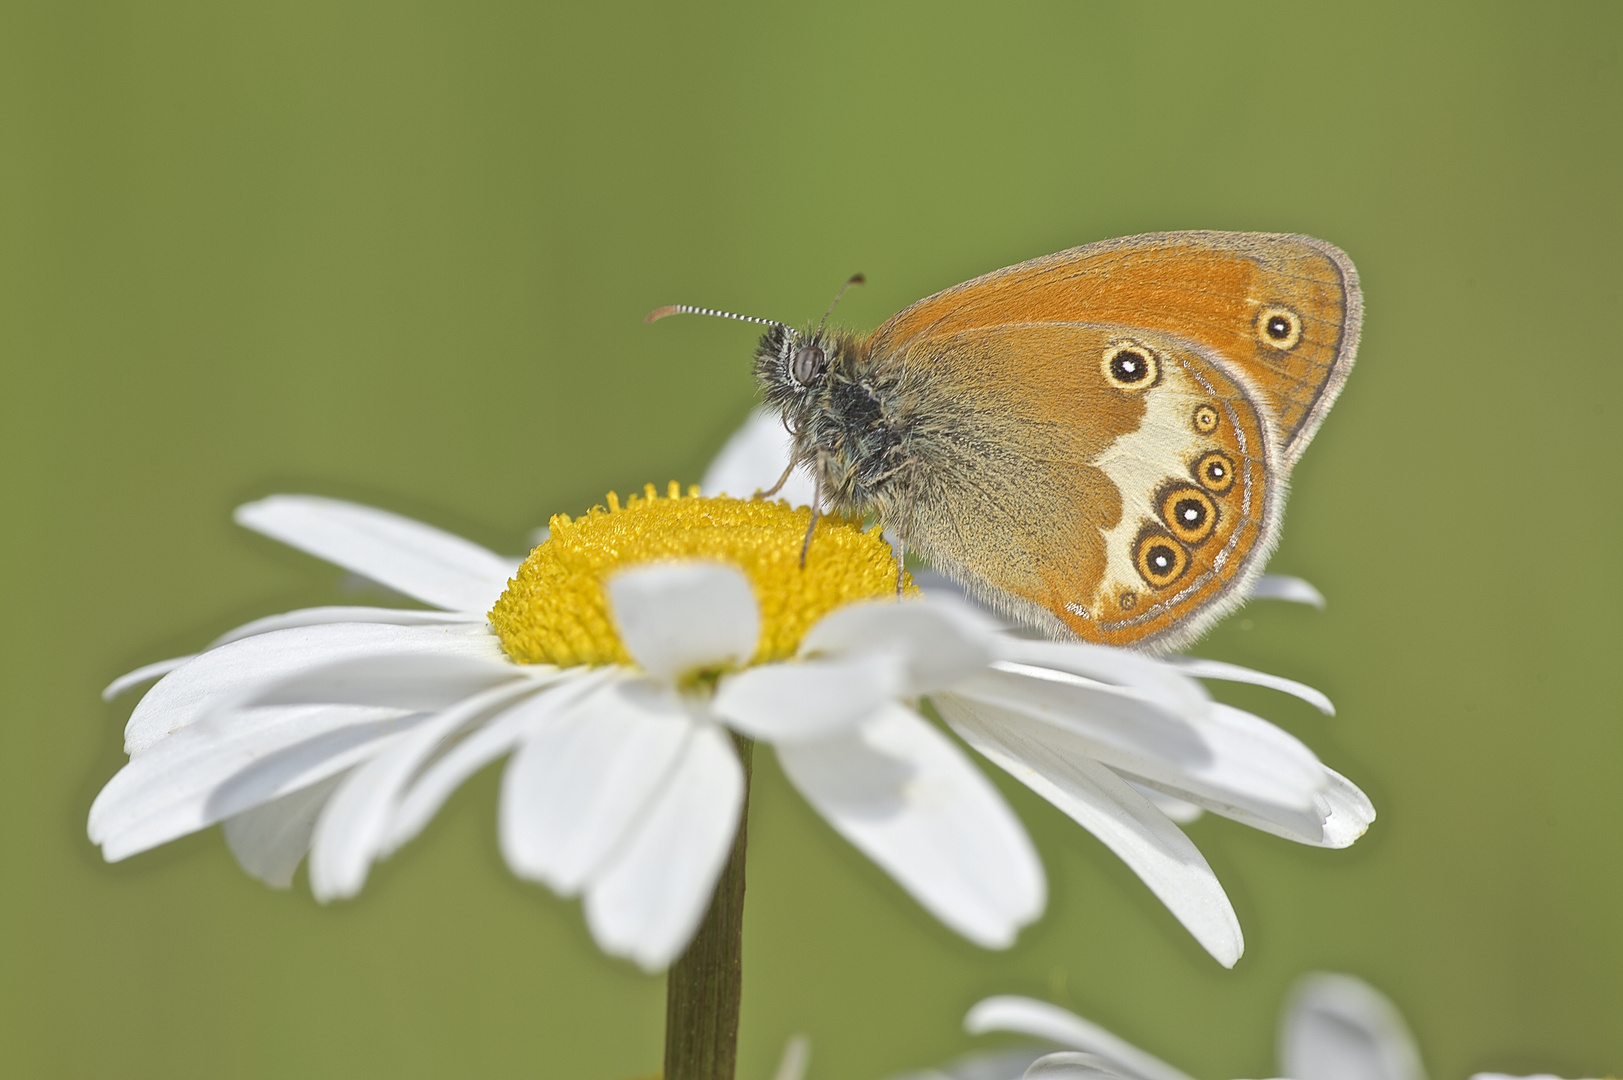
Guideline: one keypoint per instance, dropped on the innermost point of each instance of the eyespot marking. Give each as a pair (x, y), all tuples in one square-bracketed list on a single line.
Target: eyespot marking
[(1128, 600), (1190, 513), (1130, 366), (1279, 327), (1205, 419), (1214, 471), (1161, 560)]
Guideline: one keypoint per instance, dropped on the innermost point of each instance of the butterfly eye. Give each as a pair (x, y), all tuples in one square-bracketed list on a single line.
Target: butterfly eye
[(1205, 419), (1130, 366), (1161, 559), (807, 364), (1189, 513), (1279, 327), (1215, 472)]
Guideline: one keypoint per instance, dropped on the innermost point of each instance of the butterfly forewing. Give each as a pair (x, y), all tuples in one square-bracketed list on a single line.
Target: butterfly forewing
[(1283, 310)]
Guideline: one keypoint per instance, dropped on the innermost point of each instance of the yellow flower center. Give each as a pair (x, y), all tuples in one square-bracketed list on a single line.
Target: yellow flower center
[(555, 612)]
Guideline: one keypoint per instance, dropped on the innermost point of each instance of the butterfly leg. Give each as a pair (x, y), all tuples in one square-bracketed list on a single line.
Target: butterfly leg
[(816, 508), (775, 488)]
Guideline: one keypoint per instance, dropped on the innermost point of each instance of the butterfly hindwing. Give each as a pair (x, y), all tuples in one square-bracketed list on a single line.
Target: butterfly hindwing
[(1107, 481)]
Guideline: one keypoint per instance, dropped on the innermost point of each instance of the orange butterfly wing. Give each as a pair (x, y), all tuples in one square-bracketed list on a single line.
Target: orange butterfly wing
[(1126, 513), (1211, 288)]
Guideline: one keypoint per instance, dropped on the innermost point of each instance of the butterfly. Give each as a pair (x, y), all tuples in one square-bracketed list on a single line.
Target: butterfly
[(1098, 442)]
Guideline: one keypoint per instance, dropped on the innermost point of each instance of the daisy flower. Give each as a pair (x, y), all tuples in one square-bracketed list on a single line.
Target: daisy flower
[(623, 666), (1334, 1027), (626, 664)]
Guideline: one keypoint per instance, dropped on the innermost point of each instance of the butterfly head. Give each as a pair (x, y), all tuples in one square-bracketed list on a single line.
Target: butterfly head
[(791, 362), (795, 367)]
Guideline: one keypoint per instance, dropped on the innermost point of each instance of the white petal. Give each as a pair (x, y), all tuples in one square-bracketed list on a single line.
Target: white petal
[(436, 783), (145, 673), (1177, 809), (353, 826), (1070, 1065), (1217, 669), (1052, 764), (796, 1056), (901, 792), (938, 586), (647, 901), (1009, 1064), (419, 560), (1119, 723), (270, 840), (1038, 1018), (938, 642), (425, 680), (1221, 752), (814, 699), (1348, 813), (753, 459), (1281, 587), (223, 767), (1154, 679), (1342, 813), (224, 676), (318, 616), (680, 617), (580, 780), (1288, 824), (1259, 760), (1337, 1027)]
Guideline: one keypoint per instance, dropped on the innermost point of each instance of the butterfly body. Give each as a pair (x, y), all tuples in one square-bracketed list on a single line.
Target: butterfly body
[(1097, 442)]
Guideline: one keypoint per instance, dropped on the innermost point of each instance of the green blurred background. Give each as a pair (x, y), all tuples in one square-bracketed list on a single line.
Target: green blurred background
[(401, 253)]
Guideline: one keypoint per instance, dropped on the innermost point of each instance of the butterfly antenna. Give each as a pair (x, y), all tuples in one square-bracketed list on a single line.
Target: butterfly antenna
[(689, 309), (855, 279)]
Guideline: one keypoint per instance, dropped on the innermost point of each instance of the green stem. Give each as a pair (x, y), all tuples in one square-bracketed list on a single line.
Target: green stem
[(704, 986)]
